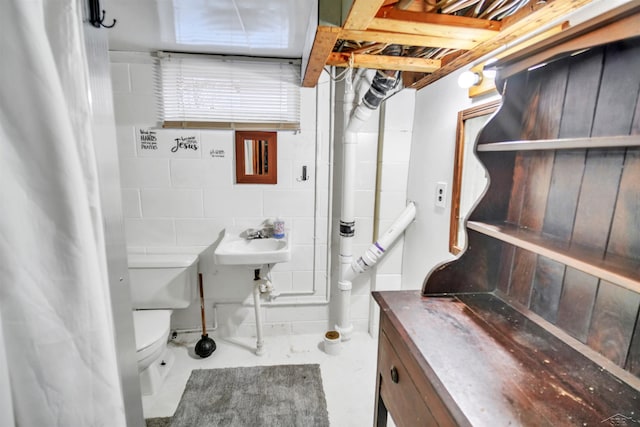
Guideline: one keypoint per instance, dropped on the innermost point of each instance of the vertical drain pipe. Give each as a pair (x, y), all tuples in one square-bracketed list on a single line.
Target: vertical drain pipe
[(383, 82), (347, 218)]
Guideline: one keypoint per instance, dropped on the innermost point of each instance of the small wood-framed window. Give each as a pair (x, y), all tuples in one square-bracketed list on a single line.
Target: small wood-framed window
[(256, 157)]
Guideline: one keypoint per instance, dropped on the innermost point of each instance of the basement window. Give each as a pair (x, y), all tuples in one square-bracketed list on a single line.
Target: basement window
[(213, 92)]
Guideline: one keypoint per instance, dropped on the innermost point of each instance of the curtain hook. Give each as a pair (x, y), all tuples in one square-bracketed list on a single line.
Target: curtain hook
[(95, 18)]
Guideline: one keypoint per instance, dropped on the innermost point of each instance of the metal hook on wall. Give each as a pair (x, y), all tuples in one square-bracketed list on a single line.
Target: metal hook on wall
[(95, 18)]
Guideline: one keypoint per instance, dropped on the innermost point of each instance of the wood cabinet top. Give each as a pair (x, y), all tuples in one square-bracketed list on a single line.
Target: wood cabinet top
[(499, 368)]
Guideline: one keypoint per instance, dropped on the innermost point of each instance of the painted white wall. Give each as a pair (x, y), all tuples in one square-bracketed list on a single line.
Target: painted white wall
[(182, 202), (393, 164), (394, 152), (432, 154)]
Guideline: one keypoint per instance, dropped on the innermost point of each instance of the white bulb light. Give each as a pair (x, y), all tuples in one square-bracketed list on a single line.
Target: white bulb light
[(468, 79)]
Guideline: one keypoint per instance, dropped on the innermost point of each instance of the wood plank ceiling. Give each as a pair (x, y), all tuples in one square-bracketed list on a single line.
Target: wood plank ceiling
[(435, 43)]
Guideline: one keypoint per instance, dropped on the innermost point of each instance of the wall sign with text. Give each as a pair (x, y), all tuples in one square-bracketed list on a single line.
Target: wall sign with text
[(172, 143)]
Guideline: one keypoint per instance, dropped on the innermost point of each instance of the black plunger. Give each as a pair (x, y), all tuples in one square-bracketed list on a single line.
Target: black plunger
[(206, 345)]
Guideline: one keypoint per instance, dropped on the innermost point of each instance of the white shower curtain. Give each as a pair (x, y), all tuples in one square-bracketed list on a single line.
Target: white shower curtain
[(57, 353)]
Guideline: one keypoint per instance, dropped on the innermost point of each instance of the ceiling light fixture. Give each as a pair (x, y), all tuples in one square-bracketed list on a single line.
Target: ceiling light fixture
[(468, 79)]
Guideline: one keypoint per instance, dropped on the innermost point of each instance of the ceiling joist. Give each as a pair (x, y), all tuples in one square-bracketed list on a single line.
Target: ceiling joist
[(408, 39), (323, 44), (529, 20), (382, 62), (450, 41), (361, 14), (434, 24)]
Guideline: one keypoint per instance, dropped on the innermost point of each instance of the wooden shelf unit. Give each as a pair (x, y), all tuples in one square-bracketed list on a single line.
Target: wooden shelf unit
[(618, 270), (538, 321), (557, 232), (562, 144)]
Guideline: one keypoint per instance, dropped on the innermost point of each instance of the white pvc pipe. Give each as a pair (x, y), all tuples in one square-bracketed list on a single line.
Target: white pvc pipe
[(256, 304), (378, 249), (346, 211), (353, 122)]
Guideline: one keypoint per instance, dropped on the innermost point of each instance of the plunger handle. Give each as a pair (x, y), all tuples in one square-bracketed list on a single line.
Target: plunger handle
[(204, 327)]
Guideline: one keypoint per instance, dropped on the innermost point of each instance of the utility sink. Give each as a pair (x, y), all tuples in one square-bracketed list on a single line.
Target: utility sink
[(236, 249)]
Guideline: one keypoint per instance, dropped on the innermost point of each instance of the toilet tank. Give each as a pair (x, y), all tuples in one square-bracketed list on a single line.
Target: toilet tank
[(162, 280)]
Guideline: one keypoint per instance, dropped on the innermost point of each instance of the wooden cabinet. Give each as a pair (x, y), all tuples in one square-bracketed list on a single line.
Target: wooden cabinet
[(538, 322), (558, 232), (402, 386), (397, 388), (473, 360)]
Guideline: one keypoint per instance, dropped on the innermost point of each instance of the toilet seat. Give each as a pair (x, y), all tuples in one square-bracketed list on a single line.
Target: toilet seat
[(152, 329)]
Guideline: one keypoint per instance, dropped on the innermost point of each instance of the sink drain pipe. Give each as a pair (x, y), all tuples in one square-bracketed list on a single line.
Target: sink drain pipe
[(256, 304), (381, 86)]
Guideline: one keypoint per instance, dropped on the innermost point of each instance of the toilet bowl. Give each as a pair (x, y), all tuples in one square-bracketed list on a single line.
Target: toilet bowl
[(152, 329), (159, 284)]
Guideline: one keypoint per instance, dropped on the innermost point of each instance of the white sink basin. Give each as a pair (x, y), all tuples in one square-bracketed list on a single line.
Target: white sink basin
[(235, 249)]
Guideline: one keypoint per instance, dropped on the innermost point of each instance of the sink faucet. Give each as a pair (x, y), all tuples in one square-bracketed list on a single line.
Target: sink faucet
[(257, 234)]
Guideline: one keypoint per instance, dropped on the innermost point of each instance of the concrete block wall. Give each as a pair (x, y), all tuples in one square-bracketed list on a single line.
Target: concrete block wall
[(181, 202)]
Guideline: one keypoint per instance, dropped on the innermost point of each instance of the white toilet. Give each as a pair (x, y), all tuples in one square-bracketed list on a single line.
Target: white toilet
[(159, 283)]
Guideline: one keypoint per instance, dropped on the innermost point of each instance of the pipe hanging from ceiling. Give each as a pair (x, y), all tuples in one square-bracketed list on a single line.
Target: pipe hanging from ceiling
[(380, 88)]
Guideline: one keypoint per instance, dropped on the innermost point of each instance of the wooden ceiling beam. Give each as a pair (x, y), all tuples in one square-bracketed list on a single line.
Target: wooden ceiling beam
[(323, 44), (382, 62), (435, 25), (361, 14), (529, 19), (407, 39), (487, 84)]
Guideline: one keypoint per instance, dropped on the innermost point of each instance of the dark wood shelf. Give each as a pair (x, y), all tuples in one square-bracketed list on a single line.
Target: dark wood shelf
[(563, 143), (482, 363), (615, 269), (555, 236)]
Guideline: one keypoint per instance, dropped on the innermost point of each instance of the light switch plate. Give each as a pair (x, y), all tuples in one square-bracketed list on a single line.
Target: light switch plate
[(441, 194)]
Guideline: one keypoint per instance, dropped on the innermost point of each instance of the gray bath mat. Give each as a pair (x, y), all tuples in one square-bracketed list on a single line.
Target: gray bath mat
[(258, 396), (159, 422)]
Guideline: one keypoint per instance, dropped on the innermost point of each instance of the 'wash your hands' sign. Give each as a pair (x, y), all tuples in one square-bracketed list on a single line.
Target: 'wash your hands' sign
[(167, 143)]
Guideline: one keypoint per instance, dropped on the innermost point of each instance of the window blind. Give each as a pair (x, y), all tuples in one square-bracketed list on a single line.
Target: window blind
[(223, 92)]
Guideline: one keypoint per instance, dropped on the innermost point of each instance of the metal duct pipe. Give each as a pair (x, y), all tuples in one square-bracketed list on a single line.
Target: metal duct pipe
[(384, 81)]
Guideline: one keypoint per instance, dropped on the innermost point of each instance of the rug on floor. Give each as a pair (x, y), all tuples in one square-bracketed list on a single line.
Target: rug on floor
[(282, 396), (159, 422)]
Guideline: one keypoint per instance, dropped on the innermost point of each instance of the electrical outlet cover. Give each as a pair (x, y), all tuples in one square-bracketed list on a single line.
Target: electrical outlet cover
[(441, 195)]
